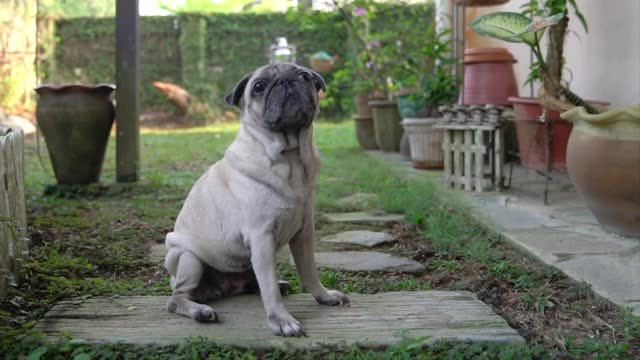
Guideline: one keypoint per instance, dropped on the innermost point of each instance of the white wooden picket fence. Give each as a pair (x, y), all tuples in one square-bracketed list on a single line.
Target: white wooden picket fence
[(13, 230)]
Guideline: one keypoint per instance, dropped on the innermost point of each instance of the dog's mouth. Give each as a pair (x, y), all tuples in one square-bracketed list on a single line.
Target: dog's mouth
[(292, 140)]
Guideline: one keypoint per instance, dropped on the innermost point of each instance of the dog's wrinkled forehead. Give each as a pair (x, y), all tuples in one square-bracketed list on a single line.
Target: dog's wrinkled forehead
[(270, 72), (274, 70)]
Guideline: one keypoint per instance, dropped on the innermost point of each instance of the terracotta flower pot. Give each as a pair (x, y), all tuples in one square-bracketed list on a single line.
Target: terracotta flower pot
[(481, 2), (531, 135), (365, 133), (488, 77), (75, 121), (386, 121), (603, 159), (425, 143)]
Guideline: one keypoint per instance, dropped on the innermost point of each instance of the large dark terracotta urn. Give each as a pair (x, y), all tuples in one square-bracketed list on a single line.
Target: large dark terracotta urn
[(75, 121), (603, 160)]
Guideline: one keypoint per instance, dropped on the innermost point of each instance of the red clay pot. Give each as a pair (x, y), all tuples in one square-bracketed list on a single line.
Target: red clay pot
[(488, 77), (531, 134)]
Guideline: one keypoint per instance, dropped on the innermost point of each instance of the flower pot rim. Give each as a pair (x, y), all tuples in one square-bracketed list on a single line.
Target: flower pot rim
[(486, 50), (405, 91), (420, 121), (480, 3), (383, 103), (629, 114), (536, 101), (74, 86), (489, 58)]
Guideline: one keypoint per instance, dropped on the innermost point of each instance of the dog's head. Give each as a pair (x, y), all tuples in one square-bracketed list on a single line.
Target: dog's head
[(278, 96)]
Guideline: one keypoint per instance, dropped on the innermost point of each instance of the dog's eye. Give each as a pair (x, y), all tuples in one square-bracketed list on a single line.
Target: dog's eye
[(259, 87), (305, 76)]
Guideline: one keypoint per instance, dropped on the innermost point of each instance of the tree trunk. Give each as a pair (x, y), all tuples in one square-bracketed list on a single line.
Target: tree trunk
[(555, 56)]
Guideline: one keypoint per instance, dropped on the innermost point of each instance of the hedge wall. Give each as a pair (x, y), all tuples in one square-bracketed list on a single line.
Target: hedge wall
[(206, 54)]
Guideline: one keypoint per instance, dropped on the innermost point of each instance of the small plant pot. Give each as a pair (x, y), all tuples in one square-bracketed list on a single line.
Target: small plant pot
[(75, 121), (365, 132), (322, 66), (488, 77), (386, 122), (425, 143), (603, 156)]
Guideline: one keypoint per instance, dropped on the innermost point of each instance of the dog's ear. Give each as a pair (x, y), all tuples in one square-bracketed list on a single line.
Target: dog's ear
[(318, 81), (233, 98)]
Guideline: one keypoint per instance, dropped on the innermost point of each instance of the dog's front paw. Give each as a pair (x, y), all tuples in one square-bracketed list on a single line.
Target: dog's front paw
[(204, 313), (285, 325), (333, 298)]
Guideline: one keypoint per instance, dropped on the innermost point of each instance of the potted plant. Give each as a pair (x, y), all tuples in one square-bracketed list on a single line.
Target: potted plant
[(75, 121), (603, 151), (530, 131), (428, 74), (425, 142), (375, 60)]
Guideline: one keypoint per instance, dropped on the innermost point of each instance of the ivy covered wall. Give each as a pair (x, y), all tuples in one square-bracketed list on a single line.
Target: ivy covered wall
[(205, 54)]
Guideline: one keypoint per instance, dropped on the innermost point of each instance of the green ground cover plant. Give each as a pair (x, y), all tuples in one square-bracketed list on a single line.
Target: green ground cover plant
[(95, 241)]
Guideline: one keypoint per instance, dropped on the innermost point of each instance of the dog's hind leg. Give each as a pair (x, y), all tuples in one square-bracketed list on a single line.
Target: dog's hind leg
[(188, 272)]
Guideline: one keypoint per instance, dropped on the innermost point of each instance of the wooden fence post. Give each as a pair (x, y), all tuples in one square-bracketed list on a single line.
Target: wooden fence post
[(127, 92), (13, 219)]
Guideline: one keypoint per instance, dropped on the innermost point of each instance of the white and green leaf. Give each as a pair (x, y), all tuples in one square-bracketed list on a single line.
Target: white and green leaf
[(507, 26)]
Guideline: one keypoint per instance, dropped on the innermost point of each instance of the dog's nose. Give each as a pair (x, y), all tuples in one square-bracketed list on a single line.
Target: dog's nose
[(286, 81)]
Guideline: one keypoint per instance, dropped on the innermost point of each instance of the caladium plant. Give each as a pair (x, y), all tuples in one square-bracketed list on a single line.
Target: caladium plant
[(518, 28)]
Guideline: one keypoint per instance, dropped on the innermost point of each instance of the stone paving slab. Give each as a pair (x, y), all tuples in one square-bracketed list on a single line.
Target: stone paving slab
[(614, 276), (559, 244), (355, 261), (507, 214), (360, 237), (363, 217), (358, 201), (372, 320)]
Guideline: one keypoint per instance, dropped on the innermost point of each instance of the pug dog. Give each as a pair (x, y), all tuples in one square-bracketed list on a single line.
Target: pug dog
[(258, 198)]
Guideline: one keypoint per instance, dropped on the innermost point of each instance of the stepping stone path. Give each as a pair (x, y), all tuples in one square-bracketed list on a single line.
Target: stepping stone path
[(358, 201), (355, 261), (371, 321), (360, 237), (363, 217)]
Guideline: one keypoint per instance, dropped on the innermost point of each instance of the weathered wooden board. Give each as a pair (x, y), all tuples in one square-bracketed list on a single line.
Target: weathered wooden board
[(372, 320), (13, 240)]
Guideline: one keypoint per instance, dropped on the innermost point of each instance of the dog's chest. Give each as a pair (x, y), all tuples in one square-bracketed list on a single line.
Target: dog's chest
[(290, 219)]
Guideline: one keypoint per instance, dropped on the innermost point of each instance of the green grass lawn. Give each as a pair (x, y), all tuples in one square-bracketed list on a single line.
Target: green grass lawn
[(94, 241)]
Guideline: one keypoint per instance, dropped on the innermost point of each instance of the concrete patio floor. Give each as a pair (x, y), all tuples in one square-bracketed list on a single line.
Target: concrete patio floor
[(563, 233)]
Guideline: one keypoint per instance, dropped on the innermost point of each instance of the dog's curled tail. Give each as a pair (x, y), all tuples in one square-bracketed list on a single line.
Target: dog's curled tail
[(173, 255)]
